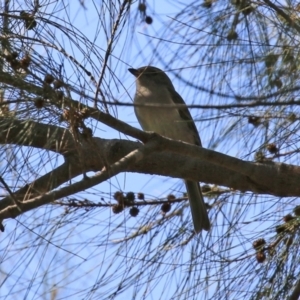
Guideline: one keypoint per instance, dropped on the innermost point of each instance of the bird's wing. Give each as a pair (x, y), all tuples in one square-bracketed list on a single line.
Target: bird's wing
[(186, 116)]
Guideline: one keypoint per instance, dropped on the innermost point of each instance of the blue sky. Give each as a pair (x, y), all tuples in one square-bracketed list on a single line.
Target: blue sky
[(73, 251), (65, 263)]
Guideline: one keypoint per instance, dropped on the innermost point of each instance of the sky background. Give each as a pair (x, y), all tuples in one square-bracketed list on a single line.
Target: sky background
[(56, 254), (76, 252)]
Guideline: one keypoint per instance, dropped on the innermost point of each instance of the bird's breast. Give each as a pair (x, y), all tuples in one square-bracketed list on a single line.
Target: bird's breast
[(163, 120)]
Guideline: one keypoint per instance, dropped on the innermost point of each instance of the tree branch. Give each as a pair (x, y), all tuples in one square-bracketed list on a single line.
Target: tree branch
[(296, 293), (132, 158)]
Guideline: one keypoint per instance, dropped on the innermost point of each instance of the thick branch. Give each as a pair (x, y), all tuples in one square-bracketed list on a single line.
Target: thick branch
[(187, 161), (159, 156), (33, 134), (296, 292), (132, 158), (45, 183)]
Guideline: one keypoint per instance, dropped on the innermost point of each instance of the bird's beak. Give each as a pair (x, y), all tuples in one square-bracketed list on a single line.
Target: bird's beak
[(134, 72)]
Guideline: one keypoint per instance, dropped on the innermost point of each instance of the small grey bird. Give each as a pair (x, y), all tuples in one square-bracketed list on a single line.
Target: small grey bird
[(154, 86)]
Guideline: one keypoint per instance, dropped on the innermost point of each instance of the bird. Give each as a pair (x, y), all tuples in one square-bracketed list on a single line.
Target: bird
[(154, 86)]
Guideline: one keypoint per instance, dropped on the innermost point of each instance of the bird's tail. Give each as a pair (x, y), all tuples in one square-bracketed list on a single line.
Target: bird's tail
[(198, 207)]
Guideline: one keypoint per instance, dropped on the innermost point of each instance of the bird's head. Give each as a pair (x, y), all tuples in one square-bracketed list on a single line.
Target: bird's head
[(149, 75)]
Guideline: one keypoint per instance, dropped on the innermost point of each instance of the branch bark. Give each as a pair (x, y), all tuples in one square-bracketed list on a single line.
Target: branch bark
[(175, 159), (159, 156)]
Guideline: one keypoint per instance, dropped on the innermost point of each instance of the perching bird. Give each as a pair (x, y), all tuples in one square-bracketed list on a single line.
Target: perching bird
[(154, 86)]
